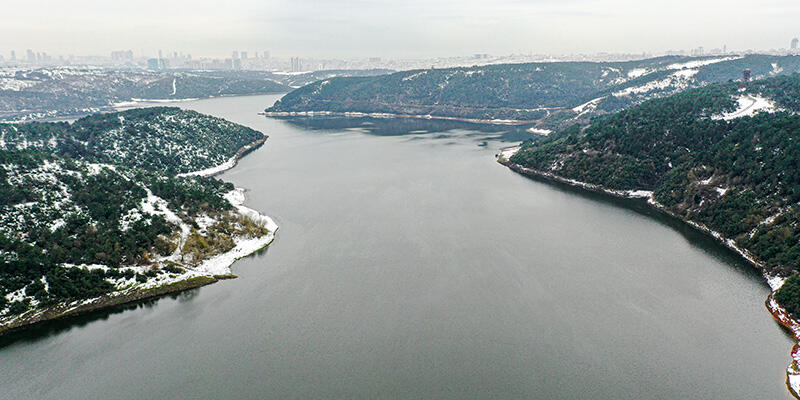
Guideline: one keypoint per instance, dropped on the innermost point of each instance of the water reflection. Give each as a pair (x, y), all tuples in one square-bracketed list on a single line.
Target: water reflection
[(50, 328), (411, 126)]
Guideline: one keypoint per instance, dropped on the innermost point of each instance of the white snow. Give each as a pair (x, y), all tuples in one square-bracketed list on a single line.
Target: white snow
[(749, 105), (508, 152), (57, 224), (775, 282), (174, 87), (647, 87), (686, 73), (588, 106), (701, 63), (213, 170), (15, 84), (637, 72), (220, 264), (721, 191), (537, 131), (640, 194), (412, 76)]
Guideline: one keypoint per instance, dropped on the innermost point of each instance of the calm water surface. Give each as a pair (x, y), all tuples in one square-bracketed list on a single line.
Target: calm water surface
[(414, 266)]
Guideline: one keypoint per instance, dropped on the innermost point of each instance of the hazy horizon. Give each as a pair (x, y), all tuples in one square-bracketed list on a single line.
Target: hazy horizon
[(414, 28)]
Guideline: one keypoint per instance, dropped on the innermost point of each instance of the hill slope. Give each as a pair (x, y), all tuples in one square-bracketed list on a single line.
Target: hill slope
[(724, 156), (545, 92), (93, 213), (34, 94)]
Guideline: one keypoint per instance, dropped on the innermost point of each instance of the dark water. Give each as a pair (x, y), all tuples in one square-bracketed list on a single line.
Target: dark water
[(414, 266)]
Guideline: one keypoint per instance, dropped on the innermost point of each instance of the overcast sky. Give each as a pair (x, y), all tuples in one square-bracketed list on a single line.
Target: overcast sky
[(394, 28)]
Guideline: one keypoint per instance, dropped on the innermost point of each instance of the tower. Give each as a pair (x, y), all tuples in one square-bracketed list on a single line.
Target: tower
[(795, 43)]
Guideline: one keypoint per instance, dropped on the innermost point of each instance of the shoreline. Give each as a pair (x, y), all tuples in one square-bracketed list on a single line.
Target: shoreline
[(778, 313), (210, 271), (357, 114)]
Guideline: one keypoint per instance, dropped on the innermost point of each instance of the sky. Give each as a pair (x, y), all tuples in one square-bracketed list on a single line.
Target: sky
[(396, 28)]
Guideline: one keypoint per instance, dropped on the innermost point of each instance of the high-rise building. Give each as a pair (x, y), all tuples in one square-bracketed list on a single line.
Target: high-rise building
[(31, 56), (266, 55), (152, 63), (795, 43), (235, 55), (297, 66), (13, 56), (244, 55)]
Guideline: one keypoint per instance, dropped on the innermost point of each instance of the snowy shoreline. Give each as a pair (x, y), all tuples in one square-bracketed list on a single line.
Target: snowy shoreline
[(774, 282), (207, 272)]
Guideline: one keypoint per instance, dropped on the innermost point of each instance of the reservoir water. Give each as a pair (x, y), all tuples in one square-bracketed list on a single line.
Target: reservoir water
[(414, 266)]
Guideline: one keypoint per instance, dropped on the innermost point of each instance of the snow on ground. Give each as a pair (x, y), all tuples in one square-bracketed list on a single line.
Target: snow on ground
[(701, 63), (508, 152), (637, 72), (220, 264), (155, 205), (588, 106), (537, 131), (15, 84), (639, 194), (412, 76), (213, 170), (775, 282), (686, 73), (749, 105), (647, 87), (174, 87), (794, 379)]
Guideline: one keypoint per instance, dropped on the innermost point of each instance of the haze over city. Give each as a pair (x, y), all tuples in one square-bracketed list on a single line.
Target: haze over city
[(414, 28)]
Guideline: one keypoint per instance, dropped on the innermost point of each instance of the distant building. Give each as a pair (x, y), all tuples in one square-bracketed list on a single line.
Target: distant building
[(122, 56), (235, 55), (13, 56), (244, 55), (266, 55), (795, 43), (237, 64), (153, 64), (31, 56), (747, 75), (297, 66)]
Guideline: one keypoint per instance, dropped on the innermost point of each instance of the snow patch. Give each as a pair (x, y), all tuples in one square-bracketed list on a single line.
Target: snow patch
[(508, 152), (749, 105), (537, 131)]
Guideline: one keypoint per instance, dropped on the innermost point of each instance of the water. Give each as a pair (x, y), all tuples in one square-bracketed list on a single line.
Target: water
[(414, 266)]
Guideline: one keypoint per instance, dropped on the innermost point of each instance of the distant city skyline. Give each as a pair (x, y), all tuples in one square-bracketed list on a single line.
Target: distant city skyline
[(382, 28)]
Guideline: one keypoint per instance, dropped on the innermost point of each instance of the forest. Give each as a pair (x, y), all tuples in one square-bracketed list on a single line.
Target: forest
[(526, 92), (76, 215)]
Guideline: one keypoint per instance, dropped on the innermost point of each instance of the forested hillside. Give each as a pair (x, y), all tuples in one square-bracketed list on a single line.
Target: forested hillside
[(34, 94), (726, 156), (164, 139), (95, 207), (550, 93)]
